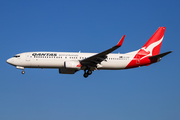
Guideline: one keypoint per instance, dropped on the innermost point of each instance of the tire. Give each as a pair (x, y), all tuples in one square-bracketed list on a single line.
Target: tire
[(85, 75), (89, 72), (23, 72)]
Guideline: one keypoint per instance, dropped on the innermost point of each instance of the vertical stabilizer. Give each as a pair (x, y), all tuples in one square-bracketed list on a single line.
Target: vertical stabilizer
[(151, 48), (153, 45)]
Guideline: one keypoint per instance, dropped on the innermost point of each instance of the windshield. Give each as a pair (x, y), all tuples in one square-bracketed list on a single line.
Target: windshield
[(16, 56)]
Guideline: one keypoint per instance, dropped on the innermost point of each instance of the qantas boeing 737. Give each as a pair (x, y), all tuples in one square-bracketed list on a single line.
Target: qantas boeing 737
[(71, 62)]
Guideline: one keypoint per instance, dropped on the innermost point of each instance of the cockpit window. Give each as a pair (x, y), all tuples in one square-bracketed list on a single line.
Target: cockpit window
[(16, 56)]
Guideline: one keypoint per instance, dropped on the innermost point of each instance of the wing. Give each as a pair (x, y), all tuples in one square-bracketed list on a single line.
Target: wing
[(92, 61)]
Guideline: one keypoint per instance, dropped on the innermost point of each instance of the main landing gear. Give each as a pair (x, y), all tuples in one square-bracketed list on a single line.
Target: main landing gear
[(87, 73)]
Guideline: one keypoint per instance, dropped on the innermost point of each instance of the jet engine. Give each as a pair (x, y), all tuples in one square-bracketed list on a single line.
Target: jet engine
[(72, 65)]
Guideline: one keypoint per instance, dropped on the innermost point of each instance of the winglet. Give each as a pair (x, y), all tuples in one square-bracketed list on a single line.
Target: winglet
[(120, 41)]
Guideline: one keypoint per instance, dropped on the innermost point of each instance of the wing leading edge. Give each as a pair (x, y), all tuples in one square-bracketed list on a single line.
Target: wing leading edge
[(92, 61)]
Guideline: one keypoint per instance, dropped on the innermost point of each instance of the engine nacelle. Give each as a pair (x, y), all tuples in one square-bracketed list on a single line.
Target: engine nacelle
[(72, 65)]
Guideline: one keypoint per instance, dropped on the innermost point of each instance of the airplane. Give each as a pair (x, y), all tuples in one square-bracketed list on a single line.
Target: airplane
[(71, 62)]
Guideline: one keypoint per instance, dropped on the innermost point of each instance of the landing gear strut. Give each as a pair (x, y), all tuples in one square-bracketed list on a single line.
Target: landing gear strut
[(87, 73)]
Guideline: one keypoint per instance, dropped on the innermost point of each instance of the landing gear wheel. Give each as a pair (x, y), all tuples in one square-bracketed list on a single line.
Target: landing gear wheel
[(23, 72), (85, 75), (89, 72)]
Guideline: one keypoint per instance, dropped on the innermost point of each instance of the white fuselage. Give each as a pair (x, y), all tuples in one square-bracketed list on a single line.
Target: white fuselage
[(57, 59)]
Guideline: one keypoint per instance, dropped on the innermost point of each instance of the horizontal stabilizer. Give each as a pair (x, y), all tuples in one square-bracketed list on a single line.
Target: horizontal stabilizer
[(160, 55)]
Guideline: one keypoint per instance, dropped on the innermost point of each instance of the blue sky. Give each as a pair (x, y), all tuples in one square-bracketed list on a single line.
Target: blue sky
[(151, 92)]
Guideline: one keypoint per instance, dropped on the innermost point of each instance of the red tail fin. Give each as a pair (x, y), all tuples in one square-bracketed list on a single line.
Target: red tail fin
[(151, 48), (153, 45)]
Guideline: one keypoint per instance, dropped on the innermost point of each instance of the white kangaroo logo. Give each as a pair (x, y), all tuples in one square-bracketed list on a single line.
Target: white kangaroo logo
[(151, 47)]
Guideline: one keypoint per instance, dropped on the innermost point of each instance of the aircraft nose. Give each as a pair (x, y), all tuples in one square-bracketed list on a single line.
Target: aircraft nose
[(9, 61)]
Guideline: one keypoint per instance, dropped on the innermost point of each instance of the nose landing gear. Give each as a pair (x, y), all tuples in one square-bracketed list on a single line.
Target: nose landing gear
[(22, 68)]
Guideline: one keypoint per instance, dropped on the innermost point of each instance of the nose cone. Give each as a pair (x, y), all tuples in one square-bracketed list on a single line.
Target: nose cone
[(10, 61)]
